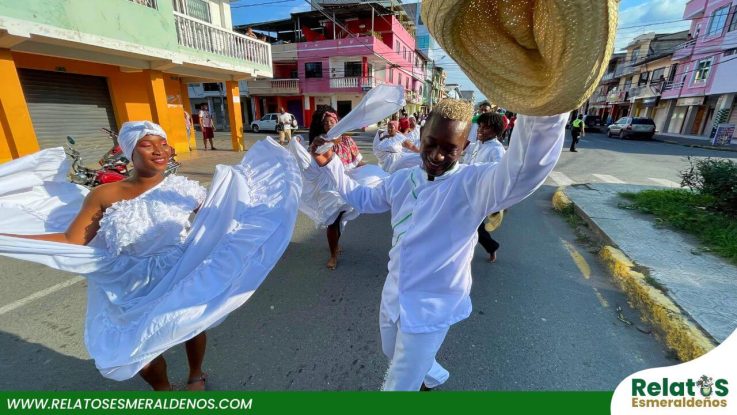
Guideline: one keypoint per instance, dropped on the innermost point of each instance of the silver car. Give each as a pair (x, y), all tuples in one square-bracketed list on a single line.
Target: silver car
[(629, 127)]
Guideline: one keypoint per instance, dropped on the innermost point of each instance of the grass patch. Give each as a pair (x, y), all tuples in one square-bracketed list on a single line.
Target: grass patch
[(687, 211)]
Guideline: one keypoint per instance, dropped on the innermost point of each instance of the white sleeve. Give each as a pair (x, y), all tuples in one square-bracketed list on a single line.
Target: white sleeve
[(535, 149), (365, 199)]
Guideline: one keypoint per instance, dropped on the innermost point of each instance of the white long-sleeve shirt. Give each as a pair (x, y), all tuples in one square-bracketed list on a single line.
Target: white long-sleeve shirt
[(434, 222), (390, 151), (489, 151)]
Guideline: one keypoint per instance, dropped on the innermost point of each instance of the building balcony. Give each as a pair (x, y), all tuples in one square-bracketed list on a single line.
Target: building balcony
[(694, 9), (196, 34), (285, 52), (412, 97), (267, 87), (684, 50), (672, 89)]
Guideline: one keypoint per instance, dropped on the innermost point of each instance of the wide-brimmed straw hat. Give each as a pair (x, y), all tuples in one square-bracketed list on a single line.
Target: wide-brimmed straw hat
[(535, 57)]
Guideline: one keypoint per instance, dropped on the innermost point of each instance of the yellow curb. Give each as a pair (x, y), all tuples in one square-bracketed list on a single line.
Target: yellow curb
[(561, 202), (681, 334)]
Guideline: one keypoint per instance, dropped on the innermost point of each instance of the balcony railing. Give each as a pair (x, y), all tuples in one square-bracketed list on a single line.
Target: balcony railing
[(273, 86), (684, 50), (672, 85), (203, 36), (350, 82)]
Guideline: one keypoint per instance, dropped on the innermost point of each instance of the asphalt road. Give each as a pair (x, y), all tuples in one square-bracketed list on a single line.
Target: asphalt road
[(544, 315)]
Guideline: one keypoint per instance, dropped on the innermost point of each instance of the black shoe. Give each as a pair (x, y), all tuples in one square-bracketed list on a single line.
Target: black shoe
[(574, 151), (213, 148), (424, 388)]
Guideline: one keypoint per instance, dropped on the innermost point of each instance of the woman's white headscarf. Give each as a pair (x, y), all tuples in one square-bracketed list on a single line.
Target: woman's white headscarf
[(132, 131)]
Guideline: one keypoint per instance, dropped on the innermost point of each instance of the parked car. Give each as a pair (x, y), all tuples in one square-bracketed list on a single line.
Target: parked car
[(628, 127), (593, 123), (267, 122)]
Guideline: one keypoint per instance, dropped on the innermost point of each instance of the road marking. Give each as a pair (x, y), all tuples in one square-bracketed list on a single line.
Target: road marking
[(38, 294), (560, 179), (578, 259), (601, 298), (607, 178), (664, 182)]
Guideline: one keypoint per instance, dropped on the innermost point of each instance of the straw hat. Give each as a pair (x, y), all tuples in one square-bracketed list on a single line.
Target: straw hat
[(535, 57)]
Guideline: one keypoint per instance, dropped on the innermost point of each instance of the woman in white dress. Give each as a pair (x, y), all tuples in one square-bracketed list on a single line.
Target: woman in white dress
[(394, 150), (156, 278), (318, 201)]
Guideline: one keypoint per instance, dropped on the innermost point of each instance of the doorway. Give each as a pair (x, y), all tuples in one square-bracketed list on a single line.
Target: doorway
[(344, 107)]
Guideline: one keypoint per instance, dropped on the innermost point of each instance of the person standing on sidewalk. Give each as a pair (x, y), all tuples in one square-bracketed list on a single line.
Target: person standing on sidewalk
[(578, 128), (285, 126), (207, 124)]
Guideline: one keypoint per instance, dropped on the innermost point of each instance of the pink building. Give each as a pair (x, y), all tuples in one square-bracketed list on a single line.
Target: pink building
[(327, 63), (701, 92)]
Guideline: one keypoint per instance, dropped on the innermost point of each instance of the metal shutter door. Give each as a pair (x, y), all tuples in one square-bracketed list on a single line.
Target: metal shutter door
[(63, 104)]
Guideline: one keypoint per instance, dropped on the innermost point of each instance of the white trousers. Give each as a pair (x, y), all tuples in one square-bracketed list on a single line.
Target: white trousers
[(412, 357)]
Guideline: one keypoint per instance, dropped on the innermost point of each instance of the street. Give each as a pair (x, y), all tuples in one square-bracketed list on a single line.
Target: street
[(545, 315)]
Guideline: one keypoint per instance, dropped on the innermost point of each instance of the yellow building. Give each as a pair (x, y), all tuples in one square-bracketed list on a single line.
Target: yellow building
[(71, 67)]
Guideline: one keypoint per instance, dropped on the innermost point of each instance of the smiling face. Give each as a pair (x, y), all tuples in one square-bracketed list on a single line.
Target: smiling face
[(151, 155), (328, 123), (443, 142), (391, 130)]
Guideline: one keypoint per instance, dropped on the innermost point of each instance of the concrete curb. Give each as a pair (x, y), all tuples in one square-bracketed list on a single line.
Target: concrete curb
[(679, 332), (706, 147)]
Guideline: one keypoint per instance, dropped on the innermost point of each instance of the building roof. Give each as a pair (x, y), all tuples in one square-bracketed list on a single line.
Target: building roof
[(468, 94)]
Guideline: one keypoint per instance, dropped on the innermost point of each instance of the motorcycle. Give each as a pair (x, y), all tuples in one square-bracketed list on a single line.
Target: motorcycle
[(113, 171)]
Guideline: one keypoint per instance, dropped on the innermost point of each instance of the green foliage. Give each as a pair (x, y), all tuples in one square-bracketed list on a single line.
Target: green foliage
[(691, 212), (716, 178)]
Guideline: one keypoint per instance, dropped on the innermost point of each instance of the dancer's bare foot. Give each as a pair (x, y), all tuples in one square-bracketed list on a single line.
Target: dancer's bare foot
[(197, 383), (332, 263), (492, 257)]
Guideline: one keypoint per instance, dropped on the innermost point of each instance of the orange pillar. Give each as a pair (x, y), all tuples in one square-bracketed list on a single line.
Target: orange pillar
[(157, 99), (234, 115), (17, 137)]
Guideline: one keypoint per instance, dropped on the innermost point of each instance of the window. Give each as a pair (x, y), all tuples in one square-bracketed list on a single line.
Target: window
[(400, 79), (730, 52), (313, 69), (701, 72), (353, 69), (717, 22), (199, 9), (657, 74), (396, 46), (643, 78), (733, 24), (627, 85), (635, 55), (211, 87)]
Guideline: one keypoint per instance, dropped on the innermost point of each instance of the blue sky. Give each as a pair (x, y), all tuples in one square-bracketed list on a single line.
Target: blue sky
[(635, 18)]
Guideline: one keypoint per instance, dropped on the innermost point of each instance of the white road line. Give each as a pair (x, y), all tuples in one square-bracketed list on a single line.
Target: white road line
[(38, 294), (607, 178), (664, 182), (560, 179)]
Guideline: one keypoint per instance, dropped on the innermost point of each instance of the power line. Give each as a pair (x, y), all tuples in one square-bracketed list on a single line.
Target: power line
[(238, 6)]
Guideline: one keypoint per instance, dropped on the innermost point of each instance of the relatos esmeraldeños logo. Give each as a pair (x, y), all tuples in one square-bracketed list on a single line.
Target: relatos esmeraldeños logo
[(704, 392)]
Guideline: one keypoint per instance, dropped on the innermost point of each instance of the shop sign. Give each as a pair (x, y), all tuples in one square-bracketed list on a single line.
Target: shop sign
[(723, 135), (690, 101)]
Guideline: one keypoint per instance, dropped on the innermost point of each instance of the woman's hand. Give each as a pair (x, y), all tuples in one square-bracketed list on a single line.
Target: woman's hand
[(324, 158)]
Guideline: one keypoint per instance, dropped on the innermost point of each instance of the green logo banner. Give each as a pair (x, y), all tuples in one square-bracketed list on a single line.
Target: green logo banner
[(324, 403)]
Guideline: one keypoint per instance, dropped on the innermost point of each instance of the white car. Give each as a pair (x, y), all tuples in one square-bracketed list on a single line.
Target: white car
[(267, 122)]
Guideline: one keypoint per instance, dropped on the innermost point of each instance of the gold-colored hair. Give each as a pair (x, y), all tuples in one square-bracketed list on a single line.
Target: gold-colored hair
[(454, 109)]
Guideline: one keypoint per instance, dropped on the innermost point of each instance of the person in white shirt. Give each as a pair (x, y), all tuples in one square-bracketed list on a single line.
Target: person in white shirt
[(414, 132), (435, 211), (487, 149), (484, 107), (285, 126), (207, 124), (394, 150)]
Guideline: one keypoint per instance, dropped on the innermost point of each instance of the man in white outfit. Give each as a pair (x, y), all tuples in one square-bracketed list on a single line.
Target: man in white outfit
[(436, 209)]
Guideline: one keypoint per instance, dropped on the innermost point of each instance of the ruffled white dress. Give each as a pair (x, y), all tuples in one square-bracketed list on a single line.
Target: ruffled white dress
[(155, 277), (392, 155), (319, 201)]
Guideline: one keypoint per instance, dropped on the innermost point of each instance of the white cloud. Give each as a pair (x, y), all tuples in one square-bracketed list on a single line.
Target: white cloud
[(648, 16)]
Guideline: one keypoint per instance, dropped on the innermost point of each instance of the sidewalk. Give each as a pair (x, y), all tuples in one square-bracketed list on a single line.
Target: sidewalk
[(694, 141), (690, 295)]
